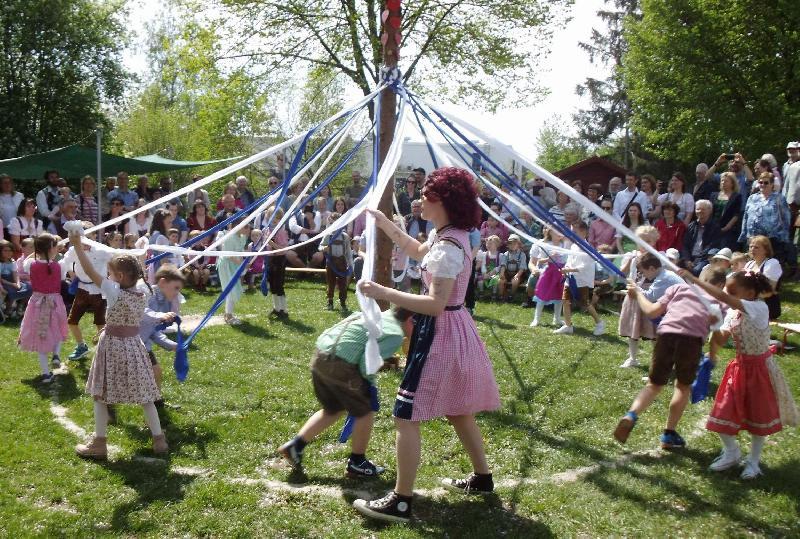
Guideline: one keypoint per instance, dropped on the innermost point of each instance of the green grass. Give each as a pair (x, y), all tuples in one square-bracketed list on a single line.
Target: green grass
[(249, 390)]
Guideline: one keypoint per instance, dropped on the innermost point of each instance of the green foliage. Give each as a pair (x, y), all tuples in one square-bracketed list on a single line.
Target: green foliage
[(557, 151), (706, 76), (194, 106), (558, 471), (59, 60), (476, 51)]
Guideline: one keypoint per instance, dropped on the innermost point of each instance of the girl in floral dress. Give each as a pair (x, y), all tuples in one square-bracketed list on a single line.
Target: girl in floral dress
[(753, 394), (121, 371), (448, 372)]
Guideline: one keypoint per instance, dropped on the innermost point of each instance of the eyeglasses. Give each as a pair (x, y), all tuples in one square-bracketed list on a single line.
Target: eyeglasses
[(764, 183)]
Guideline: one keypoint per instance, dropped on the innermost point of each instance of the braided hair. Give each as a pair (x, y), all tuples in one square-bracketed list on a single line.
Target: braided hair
[(130, 267), (41, 248), (753, 280)]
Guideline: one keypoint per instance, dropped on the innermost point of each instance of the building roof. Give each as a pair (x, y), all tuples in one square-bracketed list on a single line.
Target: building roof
[(595, 163)]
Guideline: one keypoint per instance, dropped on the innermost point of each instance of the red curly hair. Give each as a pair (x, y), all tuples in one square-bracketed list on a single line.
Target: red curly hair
[(455, 188)]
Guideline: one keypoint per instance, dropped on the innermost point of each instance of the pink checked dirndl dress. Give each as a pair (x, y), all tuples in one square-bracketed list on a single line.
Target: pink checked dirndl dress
[(550, 285), (44, 325), (448, 371), (753, 395), (121, 371)]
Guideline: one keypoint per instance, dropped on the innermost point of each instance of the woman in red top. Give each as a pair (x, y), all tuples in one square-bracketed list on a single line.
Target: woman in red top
[(670, 228), (199, 219)]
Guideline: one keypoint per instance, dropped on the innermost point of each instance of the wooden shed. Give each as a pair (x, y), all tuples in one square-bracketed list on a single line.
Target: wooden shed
[(595, 169)]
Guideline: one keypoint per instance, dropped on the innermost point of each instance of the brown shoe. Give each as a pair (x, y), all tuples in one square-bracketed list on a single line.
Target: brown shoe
[(624, 428), (96, 449), (160, 446)]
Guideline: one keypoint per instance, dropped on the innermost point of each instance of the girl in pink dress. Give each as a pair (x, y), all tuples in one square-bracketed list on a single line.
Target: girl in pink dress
[(121, 370), (44, 326), (448, 372), (753, 394)]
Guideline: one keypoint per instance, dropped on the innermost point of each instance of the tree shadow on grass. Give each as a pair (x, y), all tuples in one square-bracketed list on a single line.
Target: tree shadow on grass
[(455, 516), (153, 484), (683, 502)]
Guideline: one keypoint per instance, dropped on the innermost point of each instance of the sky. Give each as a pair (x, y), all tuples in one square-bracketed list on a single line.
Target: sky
[(566, 67)]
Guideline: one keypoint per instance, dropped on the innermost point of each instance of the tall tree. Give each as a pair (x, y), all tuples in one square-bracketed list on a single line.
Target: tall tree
[(706, 76), (193, 107), (475, 51), (59, 61), (555, 150), (609, 114)]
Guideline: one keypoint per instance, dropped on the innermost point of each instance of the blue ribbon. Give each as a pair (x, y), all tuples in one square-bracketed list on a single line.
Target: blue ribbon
[(181, 363), (350, 422), (702, 380)]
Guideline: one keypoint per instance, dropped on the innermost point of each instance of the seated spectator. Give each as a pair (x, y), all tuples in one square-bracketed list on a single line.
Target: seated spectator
[(243, 191), (321, 213), (129, 198), (767, 214), (739, 167), (633, 220), (178, 222), (200, 194), (512, 268), (762, 261), (68, 212), (562, 201), (25, 224), (702, 236), (140, 223), (721, 260), (678, 195), (593, 194), (614, 187), (87, 200), (199, 218), (763, 165), (326, 195), (230, 190), (739, 261), (671, 229), (12, 288), (601, 232), (228, 202), (630, 195), (542, 193), (727, 203), (650, 188), (353, 192), (143, 187), (492, 227)]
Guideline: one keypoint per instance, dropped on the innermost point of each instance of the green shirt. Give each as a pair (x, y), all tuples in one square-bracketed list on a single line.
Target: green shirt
[(353, 340)]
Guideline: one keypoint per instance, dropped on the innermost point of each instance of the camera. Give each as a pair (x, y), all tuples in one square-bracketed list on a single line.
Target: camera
[(730, 156)]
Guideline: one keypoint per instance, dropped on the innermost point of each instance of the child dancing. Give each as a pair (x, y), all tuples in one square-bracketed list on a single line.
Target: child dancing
[(121, 370), (44, 325), (753, 394)]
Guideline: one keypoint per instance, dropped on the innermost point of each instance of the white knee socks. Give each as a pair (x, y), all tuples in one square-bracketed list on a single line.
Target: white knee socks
[(151, 416), (43, 363), (100, 419), (633, 348), (755, 448), (229, 303), (557, 306), (539, 310), (730, 443)]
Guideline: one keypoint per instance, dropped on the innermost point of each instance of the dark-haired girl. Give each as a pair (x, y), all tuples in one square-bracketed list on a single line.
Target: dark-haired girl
[(753, 394), (162, 222), (121, 370), (44, 326), (448, 372), (24, 225)]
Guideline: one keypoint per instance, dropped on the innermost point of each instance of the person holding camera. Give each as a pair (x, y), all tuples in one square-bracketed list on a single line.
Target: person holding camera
[(738, 165)]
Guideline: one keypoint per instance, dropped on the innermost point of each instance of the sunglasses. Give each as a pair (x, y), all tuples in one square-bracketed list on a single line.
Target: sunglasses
[(764, 183)]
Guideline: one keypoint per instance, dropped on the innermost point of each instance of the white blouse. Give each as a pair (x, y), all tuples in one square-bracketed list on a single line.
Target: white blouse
[(444, 259)]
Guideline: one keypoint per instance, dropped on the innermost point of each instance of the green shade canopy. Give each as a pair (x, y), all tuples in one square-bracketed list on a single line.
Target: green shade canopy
[(76, 161)]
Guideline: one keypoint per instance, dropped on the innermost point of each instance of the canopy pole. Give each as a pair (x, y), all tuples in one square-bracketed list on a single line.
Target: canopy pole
[(99, 141)]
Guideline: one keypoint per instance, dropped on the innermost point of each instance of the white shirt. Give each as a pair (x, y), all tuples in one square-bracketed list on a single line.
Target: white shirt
[(685, 203), (582, 262), (99, 260), (625, 196), (770, 268), (20, 226), (9, 204)]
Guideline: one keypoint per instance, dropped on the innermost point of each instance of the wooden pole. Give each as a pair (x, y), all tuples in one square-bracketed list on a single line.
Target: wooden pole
[(391, 18)]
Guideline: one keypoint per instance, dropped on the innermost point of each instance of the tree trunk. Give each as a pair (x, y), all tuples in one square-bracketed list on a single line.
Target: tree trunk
[(383, 263)]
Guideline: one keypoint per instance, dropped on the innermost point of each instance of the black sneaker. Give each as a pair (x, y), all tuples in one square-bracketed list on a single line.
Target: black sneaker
[(290, 453), (365, 468), (46, 378), (473, 484), (330, 306), (343, 306), (56, 362), (390, 508)]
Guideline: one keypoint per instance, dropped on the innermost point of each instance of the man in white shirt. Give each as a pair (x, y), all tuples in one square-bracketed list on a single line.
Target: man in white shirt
[(629, 195), (791, 178)]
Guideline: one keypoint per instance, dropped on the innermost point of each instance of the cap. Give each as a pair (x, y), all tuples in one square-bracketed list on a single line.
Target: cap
[(673, 254), (513, 237), (793, 145), (723, 254)]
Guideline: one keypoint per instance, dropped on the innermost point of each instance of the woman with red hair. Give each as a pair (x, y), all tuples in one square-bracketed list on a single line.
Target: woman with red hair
[(448, 372)]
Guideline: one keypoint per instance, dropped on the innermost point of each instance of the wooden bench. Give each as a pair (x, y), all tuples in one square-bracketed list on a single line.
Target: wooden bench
[(787, 329), (305, 270)]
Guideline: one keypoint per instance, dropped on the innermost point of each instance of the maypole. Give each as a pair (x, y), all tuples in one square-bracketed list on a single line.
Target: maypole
[(391, 19)]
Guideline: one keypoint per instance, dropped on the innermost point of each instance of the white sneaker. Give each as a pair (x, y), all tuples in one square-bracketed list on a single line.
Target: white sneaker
[(630, 362), (564, 330), (751, 471), (534, 323), (726, 461), (599, 328)]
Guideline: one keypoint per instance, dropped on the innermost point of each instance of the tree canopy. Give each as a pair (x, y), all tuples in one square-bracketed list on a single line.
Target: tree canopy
[(706, 76), (479, 51), (59, 61)]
